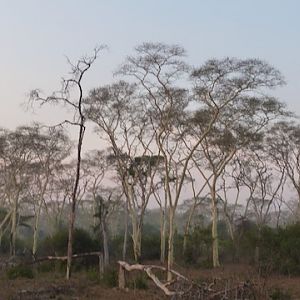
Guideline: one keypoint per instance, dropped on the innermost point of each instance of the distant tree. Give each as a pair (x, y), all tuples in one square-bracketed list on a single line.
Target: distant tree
[(284, 148), (16, 153), (50, 147)]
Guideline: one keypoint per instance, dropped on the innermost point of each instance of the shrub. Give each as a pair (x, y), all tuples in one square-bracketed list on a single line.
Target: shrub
[(278, 294), (139, 282), (19, 272), (93, 275), (110, 278), (58, 243)]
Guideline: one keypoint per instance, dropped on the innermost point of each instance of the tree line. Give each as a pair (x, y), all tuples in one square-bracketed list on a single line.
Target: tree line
[(212, 135)]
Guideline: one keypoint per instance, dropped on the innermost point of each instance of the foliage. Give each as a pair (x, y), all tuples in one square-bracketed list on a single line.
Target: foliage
[(198, 249), (20, 272), (278, 294), (139, 282), (281, 249), (110, 278), (58, 243)]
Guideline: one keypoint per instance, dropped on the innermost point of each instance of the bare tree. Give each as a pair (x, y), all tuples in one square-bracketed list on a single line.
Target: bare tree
[(64, 96)]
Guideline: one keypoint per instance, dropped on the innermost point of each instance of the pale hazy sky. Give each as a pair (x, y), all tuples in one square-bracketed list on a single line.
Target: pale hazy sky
[(36, 35)]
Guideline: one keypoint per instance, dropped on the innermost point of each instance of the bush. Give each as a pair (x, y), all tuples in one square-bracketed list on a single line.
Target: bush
[(198, 248), (151, 246), (93, 275), (110, 278), (139, 282), (19, 272), (278, 294), (58, 243), (280, 249)]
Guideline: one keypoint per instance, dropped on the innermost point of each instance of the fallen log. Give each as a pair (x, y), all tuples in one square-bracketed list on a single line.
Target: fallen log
[(148, 270), (79, 255)]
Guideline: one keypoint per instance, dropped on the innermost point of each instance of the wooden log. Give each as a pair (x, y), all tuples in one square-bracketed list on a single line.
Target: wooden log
[(148, 270), (79, 255)]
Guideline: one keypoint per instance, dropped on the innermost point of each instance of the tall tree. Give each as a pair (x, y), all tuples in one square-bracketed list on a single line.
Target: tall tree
[(231, 93), (67, 98), (122, 122)]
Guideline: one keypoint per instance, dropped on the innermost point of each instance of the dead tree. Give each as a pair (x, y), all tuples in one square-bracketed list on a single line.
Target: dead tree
[(64, 97)]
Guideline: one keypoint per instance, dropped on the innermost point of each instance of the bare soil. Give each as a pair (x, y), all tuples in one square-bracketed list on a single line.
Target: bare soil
[(54, 286)]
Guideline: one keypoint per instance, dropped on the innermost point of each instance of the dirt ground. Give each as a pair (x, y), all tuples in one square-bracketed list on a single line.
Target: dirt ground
[(54, 286)]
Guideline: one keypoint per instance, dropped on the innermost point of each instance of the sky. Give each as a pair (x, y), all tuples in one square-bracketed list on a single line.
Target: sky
[(38, 35)]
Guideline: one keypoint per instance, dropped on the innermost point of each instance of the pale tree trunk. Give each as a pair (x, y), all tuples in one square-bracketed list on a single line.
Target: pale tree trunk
[(163, 226), (136, 225), (125, 234), (105, 244), (36, 229), (214, 232), (136, 239), (70, 240), (171, 243), (13, 232)]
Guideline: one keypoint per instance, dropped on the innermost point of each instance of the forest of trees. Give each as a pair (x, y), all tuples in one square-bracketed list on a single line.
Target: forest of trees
[(208, 145)]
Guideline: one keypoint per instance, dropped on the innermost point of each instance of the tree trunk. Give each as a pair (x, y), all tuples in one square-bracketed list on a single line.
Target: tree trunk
[(162, 236), (70, 240), (215, 238), (105, 244), (36, 229), (13, 232), (136, 239), (125, 234), (170, 243), (74, 196)]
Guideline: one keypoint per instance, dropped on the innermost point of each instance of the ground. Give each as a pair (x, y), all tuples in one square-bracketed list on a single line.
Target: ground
[(82, 287)]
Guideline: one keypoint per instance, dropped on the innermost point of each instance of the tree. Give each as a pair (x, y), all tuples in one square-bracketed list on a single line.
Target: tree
[(105, 198), (236, 111), (50, 147), (264, 184), (16, 153), (283, 141), (64, 96), (123, 123)]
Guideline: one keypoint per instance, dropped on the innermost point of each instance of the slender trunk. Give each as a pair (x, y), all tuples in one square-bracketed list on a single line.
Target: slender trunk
[(171, 243), (36, 229), (73, 205), (215, 238), (70, 239), (187, 227), (136, 239), (13, 232), (125, 234), (105, 244), (162, 236)]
